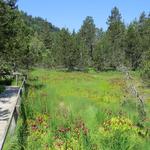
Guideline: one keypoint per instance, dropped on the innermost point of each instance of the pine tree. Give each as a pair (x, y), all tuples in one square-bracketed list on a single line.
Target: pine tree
[(7, 34), (68, 50), (116, 34), (11, 3), (133, 47), (101, 53), (87, 34)]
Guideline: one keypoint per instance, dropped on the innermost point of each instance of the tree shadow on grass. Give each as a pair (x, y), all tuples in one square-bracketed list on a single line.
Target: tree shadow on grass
[(33, 83), (33, 79), (6, 82), (35, 86)]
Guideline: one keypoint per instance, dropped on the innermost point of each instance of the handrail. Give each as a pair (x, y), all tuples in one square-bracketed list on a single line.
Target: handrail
[(133, 89), (12, 114)]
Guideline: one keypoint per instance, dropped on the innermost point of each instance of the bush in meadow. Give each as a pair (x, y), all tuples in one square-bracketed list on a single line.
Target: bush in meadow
[(119, 133)]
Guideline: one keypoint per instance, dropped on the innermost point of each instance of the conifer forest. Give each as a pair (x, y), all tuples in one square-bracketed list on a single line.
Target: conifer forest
[(85, 90)]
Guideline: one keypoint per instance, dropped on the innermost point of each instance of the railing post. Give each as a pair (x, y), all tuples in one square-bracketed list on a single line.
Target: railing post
[(16, 79), (13, 124)]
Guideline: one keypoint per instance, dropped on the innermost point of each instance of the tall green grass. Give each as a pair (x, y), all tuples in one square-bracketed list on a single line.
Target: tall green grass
[(65, 110)]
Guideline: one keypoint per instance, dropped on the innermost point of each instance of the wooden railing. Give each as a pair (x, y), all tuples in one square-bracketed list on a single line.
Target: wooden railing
[(14, 114), (134, 91)]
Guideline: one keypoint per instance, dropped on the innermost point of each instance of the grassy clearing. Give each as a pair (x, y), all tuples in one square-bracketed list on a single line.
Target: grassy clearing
[(82, 111)]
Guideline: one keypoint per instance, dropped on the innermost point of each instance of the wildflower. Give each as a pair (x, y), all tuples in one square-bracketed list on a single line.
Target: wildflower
[(34, 127)]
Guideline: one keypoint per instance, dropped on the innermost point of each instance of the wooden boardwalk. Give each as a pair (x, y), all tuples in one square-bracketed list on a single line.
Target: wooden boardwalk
[(8, 101)]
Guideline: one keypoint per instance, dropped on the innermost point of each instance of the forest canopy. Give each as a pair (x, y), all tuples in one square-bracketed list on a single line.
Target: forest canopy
[(27, 42)]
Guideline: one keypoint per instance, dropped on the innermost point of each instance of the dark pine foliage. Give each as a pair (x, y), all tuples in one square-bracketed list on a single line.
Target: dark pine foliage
[(27, 41)]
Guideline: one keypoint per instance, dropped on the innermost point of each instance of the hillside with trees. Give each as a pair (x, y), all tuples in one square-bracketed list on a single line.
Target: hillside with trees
[(28, 41), (81, 90)]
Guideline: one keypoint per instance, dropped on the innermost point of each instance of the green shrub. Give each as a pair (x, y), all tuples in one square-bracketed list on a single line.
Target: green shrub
[(1, 88), (146, 68), (119, 134), (146, 73)]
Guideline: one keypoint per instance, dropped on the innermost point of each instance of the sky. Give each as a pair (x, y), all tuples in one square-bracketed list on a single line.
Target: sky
[(71, 13)]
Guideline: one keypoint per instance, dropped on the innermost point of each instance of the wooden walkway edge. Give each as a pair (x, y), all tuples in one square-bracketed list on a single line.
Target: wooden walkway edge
[(9, 103)]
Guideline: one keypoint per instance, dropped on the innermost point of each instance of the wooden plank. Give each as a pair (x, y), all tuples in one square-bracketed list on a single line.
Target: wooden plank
[(8, 101)]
